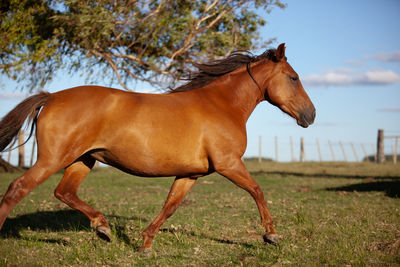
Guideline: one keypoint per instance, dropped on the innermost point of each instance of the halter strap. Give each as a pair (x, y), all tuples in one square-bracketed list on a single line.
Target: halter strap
[(252, 77)]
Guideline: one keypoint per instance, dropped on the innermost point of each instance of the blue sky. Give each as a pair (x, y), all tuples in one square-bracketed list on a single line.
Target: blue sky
[(347, 54)]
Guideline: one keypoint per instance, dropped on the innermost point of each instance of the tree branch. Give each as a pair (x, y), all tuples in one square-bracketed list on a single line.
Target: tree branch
[(113, 66)]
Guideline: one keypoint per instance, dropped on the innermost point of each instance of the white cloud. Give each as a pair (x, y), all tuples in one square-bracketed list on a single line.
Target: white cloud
[(380, 77), (387, 57), (344, 77)]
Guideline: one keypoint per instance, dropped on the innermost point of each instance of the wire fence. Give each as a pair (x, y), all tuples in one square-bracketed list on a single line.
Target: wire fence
[(28, 155), (301, 149)]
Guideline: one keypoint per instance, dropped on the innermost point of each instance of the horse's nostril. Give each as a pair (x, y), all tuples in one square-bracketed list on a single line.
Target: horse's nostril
[(307, 117), (313, 114)]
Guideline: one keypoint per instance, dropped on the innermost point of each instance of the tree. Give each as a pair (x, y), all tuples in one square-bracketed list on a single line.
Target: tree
[(125, 40)]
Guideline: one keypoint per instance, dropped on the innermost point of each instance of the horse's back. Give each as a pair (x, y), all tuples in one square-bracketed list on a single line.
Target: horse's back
[(146, 134)]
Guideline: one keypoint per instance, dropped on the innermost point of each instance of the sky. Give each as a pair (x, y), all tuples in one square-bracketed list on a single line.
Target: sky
[(347, 54)]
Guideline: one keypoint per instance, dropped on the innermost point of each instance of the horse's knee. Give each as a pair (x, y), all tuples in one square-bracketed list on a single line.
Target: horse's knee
[(58, 194), (62, 195), (15, 191), (14, 186)]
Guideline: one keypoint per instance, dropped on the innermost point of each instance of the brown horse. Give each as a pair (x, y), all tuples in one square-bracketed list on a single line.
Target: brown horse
[(194, 130)]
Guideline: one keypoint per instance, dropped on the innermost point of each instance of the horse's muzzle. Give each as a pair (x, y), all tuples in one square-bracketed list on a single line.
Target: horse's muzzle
[(307, 117)]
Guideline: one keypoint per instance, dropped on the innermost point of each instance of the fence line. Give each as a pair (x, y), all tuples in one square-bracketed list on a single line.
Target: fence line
[(380, 145), (334, 150), (24, 154)]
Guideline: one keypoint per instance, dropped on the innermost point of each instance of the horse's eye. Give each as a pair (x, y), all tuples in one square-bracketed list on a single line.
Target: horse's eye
[(294, 78)]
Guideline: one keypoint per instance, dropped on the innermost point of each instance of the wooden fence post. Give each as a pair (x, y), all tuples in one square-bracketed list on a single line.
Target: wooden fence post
[(9, 156), (380, 157), (394, 150), (33, 150), (319, 151), (344, 153), (302, 152), (292, 150), (21, 150), (331, 148)]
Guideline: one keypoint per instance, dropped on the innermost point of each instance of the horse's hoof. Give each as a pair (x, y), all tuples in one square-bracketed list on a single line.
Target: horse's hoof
[(145, 250), (104, 233), (271, 239)]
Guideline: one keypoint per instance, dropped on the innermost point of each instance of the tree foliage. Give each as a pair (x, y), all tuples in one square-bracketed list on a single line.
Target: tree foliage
[(123, 40)]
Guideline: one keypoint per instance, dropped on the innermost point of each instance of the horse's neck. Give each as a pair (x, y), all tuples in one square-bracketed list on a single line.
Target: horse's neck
[(236, 92)]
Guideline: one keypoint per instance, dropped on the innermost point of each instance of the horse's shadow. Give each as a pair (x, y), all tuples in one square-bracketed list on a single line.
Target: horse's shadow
[(59, 221), (72, 220), (391, 188), (54, 221)]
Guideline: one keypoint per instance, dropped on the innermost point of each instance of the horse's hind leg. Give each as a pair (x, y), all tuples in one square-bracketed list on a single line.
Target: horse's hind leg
[(238, 174), (21, 186), (68, 187), (179, 189)]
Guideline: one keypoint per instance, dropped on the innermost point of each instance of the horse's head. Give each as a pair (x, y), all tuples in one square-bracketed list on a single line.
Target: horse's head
[(284, 90)]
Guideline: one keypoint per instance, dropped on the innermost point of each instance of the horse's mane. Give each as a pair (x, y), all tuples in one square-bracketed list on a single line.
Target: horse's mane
[(208, 72)]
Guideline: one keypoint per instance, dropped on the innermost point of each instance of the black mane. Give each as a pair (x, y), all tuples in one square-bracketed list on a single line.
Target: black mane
[(212, 70)]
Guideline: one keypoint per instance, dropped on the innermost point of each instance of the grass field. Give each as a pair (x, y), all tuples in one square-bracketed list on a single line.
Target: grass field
[(335, 214)]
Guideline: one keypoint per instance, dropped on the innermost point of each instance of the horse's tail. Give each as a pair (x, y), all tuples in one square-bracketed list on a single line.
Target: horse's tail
[(12, 123)]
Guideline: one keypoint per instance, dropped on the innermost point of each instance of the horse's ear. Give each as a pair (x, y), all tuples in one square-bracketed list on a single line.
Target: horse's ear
[(280, 52)]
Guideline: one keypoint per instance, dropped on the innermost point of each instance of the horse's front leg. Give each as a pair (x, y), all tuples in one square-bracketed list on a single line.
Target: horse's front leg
[(238, 174), (179, 189)]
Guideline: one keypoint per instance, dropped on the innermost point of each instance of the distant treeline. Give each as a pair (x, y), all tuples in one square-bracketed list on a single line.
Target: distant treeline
[(256, 159), (387, 158)]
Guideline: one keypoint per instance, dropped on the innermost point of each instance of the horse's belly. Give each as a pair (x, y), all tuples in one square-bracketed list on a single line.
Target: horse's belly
[(164, 161), (156, 139)]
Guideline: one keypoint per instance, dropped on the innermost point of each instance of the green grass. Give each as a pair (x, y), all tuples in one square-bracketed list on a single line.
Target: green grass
[(333, 214)]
